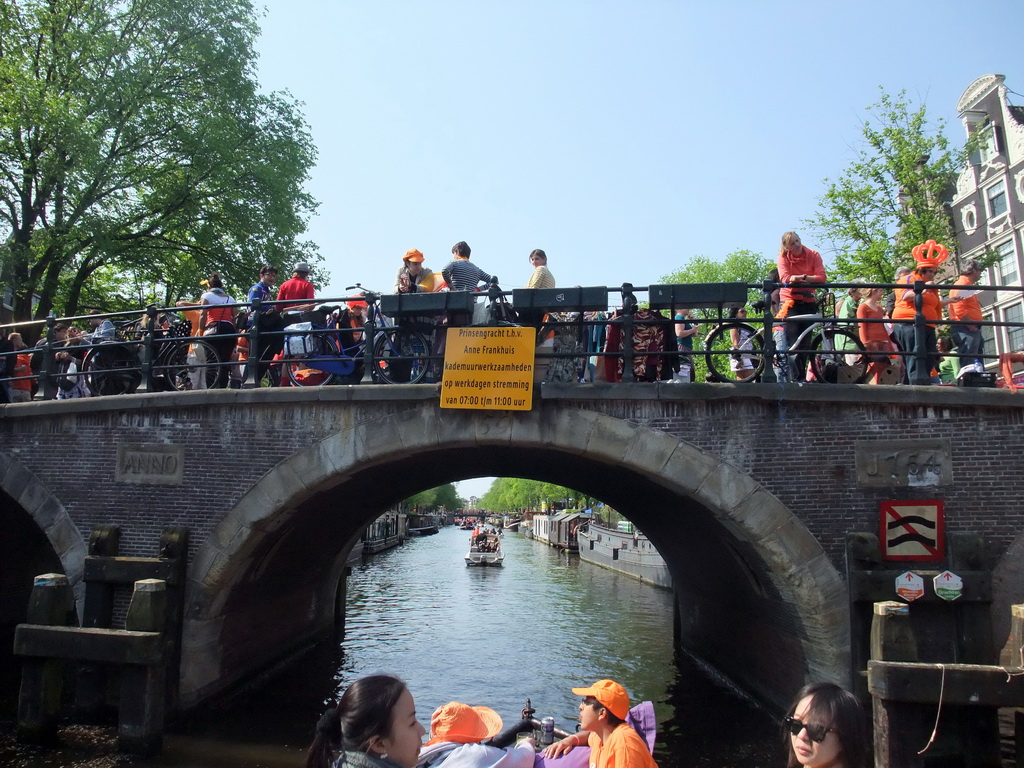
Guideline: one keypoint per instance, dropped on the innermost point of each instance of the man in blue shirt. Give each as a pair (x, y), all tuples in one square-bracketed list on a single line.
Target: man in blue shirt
[(271, 338)]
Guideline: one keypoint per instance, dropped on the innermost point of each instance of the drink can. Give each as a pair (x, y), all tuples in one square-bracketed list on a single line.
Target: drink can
[(548, 730)]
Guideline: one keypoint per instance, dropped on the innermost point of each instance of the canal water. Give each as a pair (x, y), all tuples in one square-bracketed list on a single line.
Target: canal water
[(535, 628)]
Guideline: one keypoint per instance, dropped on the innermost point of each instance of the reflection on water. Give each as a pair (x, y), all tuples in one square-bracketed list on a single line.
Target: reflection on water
[(533, 629)]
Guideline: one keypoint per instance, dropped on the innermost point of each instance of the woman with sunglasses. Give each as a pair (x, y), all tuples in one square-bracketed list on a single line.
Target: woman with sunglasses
[(825, 728)]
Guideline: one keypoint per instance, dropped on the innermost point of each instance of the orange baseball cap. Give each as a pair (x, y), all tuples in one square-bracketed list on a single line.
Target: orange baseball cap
[(413, 255), (609, 695), (463, 724)]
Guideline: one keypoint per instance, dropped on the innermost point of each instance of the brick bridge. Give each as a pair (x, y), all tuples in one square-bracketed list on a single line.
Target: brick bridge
[(748, 491)]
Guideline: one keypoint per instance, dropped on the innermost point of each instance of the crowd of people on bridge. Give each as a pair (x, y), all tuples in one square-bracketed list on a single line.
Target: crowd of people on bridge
[(576, 346), (375, 725)]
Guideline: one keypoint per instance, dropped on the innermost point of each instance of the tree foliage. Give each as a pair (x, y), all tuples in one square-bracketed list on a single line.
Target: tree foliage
[(893, 195), (508, 494), (137, 153), (434, 498)]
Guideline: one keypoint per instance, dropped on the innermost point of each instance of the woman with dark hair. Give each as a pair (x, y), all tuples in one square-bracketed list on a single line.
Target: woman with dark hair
[(374, 725), (825, 727)]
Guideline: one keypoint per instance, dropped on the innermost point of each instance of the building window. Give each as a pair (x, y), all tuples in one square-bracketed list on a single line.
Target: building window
[(996, 196), (988, 333), (989, 148), (1007, 265), (1014, 334)]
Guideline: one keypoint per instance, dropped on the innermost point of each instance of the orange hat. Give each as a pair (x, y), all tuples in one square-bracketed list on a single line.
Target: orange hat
[(413, 255), (609, 695), (463, 724), (929, 254)]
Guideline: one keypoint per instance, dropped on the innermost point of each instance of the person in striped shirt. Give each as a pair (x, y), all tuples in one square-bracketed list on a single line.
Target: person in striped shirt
[(461, 274)]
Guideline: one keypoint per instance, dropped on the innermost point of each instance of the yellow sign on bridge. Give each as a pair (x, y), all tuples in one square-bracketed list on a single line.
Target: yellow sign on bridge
[(489, 368)]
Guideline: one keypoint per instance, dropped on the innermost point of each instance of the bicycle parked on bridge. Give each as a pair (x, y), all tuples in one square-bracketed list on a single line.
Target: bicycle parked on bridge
[(181, 362), (332, 350), (836, 354)]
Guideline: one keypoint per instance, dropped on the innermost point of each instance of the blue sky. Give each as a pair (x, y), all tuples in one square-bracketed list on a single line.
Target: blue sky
[(623, 138)]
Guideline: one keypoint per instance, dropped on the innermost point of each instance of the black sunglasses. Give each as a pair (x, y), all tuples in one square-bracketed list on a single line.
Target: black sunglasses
[(816, 732)]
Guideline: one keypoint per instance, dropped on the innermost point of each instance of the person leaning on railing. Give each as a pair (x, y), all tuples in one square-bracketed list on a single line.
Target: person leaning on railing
[(966, 314), (800, 269), (928, 256)]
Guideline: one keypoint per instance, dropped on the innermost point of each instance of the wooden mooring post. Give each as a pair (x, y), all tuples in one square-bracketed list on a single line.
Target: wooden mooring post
[(143, 657), (936, 714)]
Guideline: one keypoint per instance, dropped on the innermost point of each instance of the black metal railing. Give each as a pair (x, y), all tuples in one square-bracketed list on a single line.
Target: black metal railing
[(153, 348)]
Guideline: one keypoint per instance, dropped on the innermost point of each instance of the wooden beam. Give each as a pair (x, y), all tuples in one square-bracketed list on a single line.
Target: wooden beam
[(965, 684), (111, 646), (128, 570)]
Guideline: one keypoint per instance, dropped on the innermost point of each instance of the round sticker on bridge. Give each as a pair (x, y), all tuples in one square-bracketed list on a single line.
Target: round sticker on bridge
[(909, 586), (948, 585)]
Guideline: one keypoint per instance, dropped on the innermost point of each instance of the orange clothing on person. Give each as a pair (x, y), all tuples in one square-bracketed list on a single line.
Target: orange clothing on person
[(623, 749), (872, 332), (808, 263), (966, 310), (931, 305), (22, 367)]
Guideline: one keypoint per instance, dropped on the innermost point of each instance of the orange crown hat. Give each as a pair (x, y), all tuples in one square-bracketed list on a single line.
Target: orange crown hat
[(930, 254), (413, 255), (609, 695), (463, 724)]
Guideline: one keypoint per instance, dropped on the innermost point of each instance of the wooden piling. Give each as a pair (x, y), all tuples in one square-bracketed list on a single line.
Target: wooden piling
[(98, 611), (141, 718), (42, 679)]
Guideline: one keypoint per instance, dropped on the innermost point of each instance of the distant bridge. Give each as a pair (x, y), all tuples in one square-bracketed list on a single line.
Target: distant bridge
[(748, 491)]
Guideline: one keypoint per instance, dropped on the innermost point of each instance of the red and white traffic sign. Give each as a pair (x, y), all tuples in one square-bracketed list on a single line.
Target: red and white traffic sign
[(909, 586), (912, 529), (948, 585)]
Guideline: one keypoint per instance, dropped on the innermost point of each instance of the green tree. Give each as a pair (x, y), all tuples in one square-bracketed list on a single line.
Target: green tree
[(434, 498), (137, 153), (893, 195), (508, 494)]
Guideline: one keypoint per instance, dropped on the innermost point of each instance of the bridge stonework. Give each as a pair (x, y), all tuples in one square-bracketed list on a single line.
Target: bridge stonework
[(748, 492)]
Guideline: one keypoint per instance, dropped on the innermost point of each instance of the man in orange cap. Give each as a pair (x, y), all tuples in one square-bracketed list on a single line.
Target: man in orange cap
[(603, 727), (456, 730)]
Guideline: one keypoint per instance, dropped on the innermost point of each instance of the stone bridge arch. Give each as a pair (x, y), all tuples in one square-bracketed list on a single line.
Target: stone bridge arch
[(688, 501), (49, 515)]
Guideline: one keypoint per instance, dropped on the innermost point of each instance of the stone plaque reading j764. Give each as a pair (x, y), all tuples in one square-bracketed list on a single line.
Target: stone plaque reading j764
[(150, 464), (904, 463)]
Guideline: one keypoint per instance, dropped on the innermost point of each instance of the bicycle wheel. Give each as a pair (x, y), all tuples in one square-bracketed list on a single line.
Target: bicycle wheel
[(303, 373), (187, 365), (113, 369), (838, 357), (737, 360), (400, 356)]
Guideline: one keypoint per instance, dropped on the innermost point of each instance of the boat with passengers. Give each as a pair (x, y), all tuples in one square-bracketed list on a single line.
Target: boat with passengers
[(485, 549)]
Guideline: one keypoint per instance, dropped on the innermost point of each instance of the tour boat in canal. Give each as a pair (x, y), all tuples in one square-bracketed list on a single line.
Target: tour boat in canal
[(623, 549), (485, 550)]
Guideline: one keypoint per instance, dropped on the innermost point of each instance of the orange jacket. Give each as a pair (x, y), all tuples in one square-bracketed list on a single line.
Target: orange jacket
[(904, 308), (966, 310)]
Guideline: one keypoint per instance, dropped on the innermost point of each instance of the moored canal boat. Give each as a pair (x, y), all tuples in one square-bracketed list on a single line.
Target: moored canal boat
[(625, 550)]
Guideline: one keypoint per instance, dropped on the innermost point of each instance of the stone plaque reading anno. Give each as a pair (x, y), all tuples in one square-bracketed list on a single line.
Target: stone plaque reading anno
[(150, 464), (904, 463)]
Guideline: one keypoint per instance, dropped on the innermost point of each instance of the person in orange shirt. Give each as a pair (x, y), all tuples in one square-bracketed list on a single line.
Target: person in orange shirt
[(929, 256), (800, 269), (873, 333), (966, 316), (21, 389), (603, 727)]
